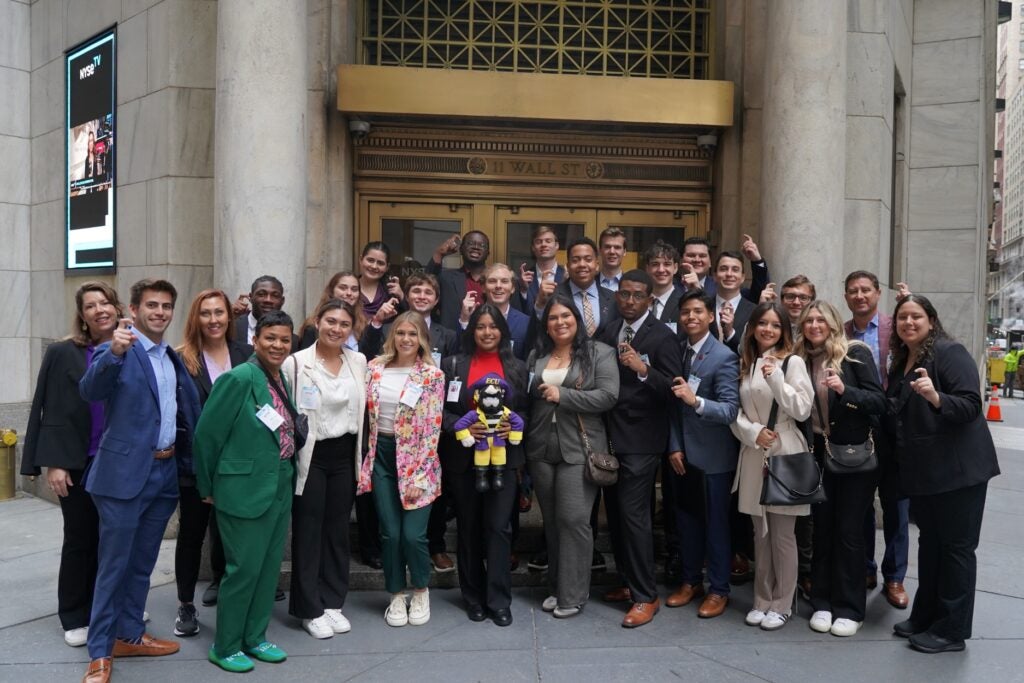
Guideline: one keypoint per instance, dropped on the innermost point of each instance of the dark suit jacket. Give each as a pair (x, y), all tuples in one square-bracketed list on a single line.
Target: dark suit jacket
[(852, 415), (639, 421), (522, 329), (442, 340), (122, 464), (242, 333), (739, 322), (670, 313), (526, 303), (453, 291), (609, 311), (706, 440), (949, 448), (759, 279), (59, 422), (238, 352), (456, 458)]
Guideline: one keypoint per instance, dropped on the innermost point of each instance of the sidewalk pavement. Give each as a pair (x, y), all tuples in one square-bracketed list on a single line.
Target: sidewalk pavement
[(676, 645)]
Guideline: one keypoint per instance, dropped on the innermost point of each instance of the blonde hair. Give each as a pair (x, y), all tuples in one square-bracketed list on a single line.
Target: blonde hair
[(837, 346), (80, 336), (388, 352)]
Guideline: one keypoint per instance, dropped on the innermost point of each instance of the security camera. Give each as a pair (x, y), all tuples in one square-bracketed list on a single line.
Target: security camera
[(707, 143), (359, 128)]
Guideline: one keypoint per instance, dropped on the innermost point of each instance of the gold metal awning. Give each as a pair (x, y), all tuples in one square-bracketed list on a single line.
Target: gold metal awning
[(406, 91)]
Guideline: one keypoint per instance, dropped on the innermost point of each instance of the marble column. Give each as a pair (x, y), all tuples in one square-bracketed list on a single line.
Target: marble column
[(803, 168), (260, 170)]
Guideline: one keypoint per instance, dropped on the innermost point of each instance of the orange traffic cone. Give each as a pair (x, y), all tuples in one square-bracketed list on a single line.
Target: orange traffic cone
[(995, 413)]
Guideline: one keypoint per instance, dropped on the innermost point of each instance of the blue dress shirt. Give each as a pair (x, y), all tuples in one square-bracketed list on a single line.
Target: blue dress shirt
[(167, 386)]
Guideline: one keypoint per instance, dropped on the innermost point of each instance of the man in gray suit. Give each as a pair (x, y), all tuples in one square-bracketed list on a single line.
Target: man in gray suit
[(703, 454)]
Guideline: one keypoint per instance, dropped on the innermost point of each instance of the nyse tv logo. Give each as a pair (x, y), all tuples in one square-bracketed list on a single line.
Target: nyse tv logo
[(90, 69)]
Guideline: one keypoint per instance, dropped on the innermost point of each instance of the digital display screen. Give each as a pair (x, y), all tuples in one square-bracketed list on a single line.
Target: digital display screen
[(91, 106)]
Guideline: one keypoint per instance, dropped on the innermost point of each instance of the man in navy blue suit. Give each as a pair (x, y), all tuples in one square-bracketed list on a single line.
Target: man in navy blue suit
[(701, 445), (499, 286), (544, 245), (151, 408)]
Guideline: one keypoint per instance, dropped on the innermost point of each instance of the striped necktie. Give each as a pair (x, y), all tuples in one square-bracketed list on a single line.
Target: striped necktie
[(627, 334), (588, 314)]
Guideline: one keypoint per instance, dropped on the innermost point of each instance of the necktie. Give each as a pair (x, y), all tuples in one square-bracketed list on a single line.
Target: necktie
[(718, 325), (627, 334), (656, 309), (687, 361), (588, 314)]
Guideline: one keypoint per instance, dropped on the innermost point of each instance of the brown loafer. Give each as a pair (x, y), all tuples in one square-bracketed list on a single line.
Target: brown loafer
[(149, 647), (442, 563), (713, 606), (98, 671), (896, 595), (620, 594), (641, 613), (685, 595)]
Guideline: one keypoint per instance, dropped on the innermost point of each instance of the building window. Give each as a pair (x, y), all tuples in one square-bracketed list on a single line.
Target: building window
[(599, 37)]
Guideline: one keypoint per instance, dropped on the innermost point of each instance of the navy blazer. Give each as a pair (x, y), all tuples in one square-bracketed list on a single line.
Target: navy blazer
[(122, 464), (59, 422), (759, 279), (527, 303), (706, 440), (522, 330)]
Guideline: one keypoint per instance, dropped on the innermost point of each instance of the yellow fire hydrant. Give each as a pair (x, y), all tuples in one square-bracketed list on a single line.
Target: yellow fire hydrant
[(8, 440)]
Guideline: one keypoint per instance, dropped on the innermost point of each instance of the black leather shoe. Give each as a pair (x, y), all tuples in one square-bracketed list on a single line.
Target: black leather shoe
[(475, 613), (481, 484), (279, 595), (931, 644), (373, 562), (210, 594), (501, 617), (497, 478), (907, 628)]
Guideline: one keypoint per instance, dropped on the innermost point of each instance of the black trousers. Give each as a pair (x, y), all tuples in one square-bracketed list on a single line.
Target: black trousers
[(77, 576), (320, 545), (950, 527), (484, 535), (628, 503), (837, 567), (368, 527), (194, 517), (437, 525)]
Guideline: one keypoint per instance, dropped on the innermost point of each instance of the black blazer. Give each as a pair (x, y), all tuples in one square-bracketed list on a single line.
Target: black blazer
[(639, 422), (456, 458), (238, 351), (59, 422), (670, 313), (609, 311), (852, 415), (949, 448), (453, 291), (739, 322), (242, 333)]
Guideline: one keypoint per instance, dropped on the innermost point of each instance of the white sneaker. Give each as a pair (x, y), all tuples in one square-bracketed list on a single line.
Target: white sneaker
[(821, 621), (396, 614), (773, 621), (419, 607), (845, 627), (319, 628), (754, 617), (77, 637), (337, 620), (549, 604)]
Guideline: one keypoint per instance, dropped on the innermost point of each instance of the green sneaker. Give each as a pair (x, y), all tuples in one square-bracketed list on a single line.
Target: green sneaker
[(237, 663), (267, 652)]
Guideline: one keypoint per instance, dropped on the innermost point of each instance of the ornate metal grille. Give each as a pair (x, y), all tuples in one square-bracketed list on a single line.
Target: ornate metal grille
[(653, 38)]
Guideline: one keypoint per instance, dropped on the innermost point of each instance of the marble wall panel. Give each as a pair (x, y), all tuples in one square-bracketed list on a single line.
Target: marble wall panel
[(52, 304), (14, 237), (15, 187), (869, 76), (942, 260), (47, 235), (190, 132), (129, 8), (189, 281), (157, 222), (316, 218), (14, 49), (943, 198), (13, 356), (944, 134), (901, 40), (82, 20), (867, 16), (755, 19), (868, 158), (960, 317), (14, 304), (132, 224), (182, 44), (47, 31), (947, 19), (47, 98), (189, 207), (133, 59), (14, 105), (143, 123), (47, 166), (750, 176), (862, 244), (318, 53), (947, 71)]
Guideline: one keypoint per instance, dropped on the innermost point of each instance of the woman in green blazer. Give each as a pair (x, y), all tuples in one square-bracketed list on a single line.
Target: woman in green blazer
[(244, 455)]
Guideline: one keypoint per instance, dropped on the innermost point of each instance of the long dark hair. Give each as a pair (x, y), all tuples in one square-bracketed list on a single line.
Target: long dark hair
[(469, 336), (581, 348), (749, 352), (899, 349)]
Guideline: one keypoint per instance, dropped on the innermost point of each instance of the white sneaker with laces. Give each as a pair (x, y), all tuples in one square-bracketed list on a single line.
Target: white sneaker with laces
[(419, 607), (754, 617), (397, 614), (773, 621), (845, 627), (77, 637), (337, 620), (319, 628), (549, 604), (821, 621)]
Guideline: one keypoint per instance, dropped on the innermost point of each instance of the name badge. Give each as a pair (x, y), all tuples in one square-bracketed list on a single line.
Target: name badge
[(672, 326), (694, 383), (270, 417), (411, 395), (309, 398), (645, 359), (454, 387), (436, 355)]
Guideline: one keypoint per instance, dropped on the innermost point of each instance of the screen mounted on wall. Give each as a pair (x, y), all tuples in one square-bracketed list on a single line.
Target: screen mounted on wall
[(91, 170)]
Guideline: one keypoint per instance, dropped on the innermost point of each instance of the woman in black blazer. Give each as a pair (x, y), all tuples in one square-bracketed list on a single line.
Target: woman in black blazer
[(484, 519), (946, 457), (849, 401), (63, 434), (208, 351)]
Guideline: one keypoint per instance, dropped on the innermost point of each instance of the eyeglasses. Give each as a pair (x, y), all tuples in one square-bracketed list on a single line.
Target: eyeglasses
[(635, 296), (791, 297)]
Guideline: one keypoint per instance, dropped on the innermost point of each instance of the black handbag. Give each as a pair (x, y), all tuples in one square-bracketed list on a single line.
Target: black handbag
[(791, 478), (847, 458)]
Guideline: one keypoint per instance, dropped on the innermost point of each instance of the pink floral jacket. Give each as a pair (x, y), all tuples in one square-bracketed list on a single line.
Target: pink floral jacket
[(416, 435)]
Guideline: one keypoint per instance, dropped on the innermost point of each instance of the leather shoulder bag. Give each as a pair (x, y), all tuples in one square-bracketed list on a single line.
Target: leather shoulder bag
[(847, 458), (600, 468)]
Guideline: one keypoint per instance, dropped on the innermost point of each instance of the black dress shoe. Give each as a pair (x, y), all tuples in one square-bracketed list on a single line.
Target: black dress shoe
[(210, 594), (373, 562), (481, 484), (907, 628), (497, 478), (501, 617), (279, 595), (930, 643), (475, 613)]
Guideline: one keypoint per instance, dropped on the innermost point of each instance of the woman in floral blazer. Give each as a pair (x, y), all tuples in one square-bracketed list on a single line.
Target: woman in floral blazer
[(404, 399)]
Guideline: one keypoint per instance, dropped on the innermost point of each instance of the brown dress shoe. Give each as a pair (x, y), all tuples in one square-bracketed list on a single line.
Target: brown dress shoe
[(713, 605), (620, 594), (685, 595), (149, 647), (740, 571), (895, 594), (641, 613), (98, 671), (442, 563)]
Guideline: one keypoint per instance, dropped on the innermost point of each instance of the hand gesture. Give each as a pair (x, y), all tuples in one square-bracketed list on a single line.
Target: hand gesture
[(690, 279), (394, 288), (675, 459), (547, 288), (766, 438), (450, 245), (469, 304), (768, 367), (241, 306), (630, 358), (833, 381), (682, 390), (525, 278), (924, 387), (749, 249), (387, 311), (726, 314), (549, 392), (123, 337), (768, 293), (902, 291), (59, 481)]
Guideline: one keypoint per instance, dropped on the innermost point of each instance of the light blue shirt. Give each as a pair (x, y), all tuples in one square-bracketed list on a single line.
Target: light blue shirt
[(869, 335), (595, 300), (167, 388), (610, 283)]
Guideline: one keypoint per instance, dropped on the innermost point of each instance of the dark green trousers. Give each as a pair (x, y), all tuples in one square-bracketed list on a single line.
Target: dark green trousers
[(253, 549), (403, 533)]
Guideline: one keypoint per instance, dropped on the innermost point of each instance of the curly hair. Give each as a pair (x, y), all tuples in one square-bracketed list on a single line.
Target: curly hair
[(899, 349)]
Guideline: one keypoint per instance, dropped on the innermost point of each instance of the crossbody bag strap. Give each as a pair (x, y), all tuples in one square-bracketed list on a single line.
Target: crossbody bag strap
[(276, 387), (774, 414)]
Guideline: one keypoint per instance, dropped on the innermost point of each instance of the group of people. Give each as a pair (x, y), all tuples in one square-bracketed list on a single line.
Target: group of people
[(454, 389)]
